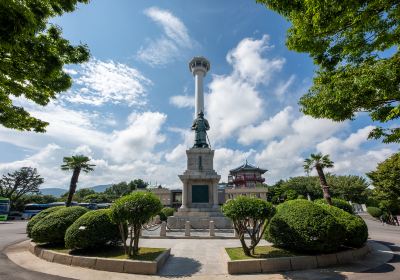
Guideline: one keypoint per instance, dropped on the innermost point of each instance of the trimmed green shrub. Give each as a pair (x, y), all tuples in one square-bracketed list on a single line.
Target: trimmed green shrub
[(92, 229), (303, 226), (165, 213), (52, 228), (374, 211), (356, 229), (339, 203), (136, 209), (249, 215), (39, 216)]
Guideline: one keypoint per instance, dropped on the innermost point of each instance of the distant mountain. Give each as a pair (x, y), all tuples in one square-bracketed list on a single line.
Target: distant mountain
[(57, 192), (100, 188)]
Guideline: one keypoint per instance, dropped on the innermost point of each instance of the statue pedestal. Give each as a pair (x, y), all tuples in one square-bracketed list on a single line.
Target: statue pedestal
[(200, 193)]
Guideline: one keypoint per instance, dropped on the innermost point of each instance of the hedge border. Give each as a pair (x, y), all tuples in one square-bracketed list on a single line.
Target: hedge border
[(104, 264), (295, 263)]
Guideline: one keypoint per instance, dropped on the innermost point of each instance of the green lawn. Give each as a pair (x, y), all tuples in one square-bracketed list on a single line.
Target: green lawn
[(114, 252), (261, 252)]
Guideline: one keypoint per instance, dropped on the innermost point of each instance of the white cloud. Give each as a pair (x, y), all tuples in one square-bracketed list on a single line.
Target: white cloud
[(139, 138), (171, 44), (102, 82), (182, 101), (275, 126), (283, 87), (284, 157), (234, 101), (250, 65)]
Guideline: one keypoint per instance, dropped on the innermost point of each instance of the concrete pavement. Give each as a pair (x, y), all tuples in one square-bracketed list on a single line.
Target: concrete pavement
[(10, 233), (203, 259)]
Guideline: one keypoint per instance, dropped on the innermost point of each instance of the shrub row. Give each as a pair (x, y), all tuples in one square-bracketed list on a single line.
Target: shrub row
[(304, 226), (76, 226), (339, 203), (374, 211)]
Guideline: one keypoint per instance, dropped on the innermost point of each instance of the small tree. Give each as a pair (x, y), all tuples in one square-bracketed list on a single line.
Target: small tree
[(249, 215), (77, 164), (20, 182), (319, 162), (136, 209)]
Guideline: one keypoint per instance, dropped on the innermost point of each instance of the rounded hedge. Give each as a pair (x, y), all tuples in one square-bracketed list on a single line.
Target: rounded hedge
[(39, 216), (339, 203), (92, 229), (52, 228), (244, 207), (356, 229), (374, 211), (300, 225), (165, 213)]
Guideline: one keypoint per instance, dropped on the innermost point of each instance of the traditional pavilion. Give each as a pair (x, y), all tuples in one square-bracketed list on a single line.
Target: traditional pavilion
[(246, 176)]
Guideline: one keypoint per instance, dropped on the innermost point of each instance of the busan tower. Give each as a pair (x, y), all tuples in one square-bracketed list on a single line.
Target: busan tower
[(200, 180)]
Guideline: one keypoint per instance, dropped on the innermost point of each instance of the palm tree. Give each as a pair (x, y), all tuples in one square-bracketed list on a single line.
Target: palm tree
[(319, 162), (77, 164)]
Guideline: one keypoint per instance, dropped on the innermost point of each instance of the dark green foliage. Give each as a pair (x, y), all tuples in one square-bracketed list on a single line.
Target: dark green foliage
[(32, 57), (356, 47), (92, 229), (374, 211), (386, 180), (339, 203), (20, 182), (165, 213), (249, 216), (356, 229), (38, 217), (124, 188), (136, 209), (97, 198), (349, 187), (303, 226), (52, 228)]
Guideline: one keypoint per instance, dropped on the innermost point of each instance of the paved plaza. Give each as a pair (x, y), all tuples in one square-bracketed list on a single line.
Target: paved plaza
[(197, 259)]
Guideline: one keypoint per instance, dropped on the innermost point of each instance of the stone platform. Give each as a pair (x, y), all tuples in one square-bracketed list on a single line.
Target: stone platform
[(199, 218)]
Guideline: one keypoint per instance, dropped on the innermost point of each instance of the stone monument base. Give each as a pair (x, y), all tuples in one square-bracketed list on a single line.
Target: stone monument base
[(199, 218)]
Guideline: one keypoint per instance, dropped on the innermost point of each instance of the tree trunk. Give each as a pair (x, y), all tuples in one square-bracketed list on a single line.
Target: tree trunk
[(136, 240), (324, 184), (246, 249), (122, 232), (72, 186)]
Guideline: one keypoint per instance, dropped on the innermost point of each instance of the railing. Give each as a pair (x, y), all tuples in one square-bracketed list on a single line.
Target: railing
[(241, 178)]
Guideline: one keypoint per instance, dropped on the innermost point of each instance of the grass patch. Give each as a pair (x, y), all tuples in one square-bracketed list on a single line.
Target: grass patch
[(113, 252), (261, 252)]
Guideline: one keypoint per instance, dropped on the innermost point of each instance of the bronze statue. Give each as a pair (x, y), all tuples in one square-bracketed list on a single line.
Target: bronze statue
[(200, 126)]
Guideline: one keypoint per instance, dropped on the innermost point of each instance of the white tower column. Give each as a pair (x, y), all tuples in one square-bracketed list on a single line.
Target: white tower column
[(199, 67), (199, 94)]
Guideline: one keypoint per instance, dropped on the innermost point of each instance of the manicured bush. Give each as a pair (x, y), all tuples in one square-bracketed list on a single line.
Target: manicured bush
[(339, 203), (374, 211), (165, 213), (303, 226), (52, 228), (249, 215), (92, 229), (356, 229), (39, 216), (136, 209)]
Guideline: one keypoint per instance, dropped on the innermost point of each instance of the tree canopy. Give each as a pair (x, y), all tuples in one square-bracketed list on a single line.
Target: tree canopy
[(32, 56), (20, 182), (356, 46), (386, 180)]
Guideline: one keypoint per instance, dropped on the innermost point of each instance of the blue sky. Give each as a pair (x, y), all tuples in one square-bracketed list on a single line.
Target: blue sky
[(131, 106)]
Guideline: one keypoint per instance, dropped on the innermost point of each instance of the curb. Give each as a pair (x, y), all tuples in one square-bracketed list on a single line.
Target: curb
[(104, 264), (295, 263)]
